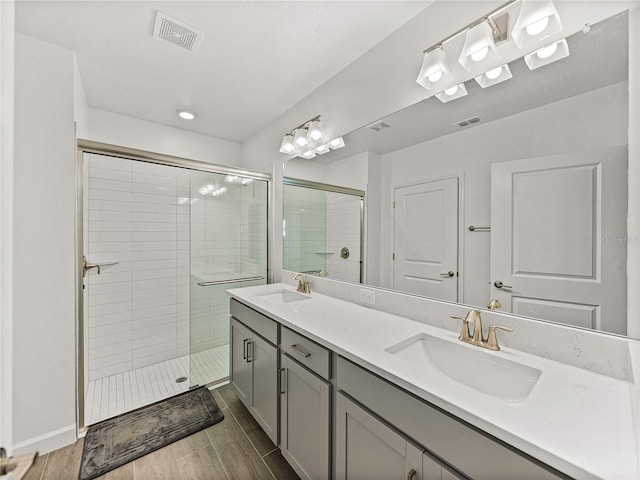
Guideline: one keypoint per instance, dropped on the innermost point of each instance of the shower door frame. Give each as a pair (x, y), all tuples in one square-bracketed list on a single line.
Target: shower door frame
[(99, 148)]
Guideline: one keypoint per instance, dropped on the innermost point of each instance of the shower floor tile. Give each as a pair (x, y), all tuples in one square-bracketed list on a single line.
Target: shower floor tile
[(110, 396)]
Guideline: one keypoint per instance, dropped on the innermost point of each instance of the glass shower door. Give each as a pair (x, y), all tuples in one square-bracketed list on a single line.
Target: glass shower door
[(228, 241)]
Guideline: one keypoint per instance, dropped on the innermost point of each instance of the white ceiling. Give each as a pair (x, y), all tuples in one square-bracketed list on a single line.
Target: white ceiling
[(257, 59)]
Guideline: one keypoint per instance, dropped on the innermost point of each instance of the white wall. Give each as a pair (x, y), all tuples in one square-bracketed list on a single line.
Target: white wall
[(115, 129), (572, 125), (44, 280), (7, 73)]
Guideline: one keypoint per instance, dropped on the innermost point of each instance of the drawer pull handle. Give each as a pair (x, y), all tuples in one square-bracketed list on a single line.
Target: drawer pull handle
[(244, 348), (296, 349), (411, 474)]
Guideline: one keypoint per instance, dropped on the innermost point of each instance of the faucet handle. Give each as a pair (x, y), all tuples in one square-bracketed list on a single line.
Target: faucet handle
[(465, 334), (492, 339)]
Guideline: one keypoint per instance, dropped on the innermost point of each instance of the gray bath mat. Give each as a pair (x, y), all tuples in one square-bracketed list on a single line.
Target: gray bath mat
[(121, 439)]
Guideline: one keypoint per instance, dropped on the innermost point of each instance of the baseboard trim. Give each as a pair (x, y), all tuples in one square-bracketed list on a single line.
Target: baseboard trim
[(48, 442)]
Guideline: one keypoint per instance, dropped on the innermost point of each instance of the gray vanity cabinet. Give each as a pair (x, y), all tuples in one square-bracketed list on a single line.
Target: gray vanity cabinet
[(366, 448), (241, 374), (254, 366), (305, 418)]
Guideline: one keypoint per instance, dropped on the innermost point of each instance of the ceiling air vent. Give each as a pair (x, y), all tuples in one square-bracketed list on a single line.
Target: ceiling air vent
[(379, 126), (176, 32), (469, 121)]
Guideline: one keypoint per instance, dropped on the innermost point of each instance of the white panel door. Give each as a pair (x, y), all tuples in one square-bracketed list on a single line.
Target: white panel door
[(558, 238), (426, 239)]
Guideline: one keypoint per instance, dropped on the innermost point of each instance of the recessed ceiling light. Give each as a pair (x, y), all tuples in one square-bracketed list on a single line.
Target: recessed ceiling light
[(186, 114)]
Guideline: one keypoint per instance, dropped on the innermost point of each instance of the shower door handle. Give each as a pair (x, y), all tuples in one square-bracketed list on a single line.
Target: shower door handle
[(86, 266)]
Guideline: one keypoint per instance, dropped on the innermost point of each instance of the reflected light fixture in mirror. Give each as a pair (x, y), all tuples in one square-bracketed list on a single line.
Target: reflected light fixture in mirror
[(306, 140), (537, 19), (494, 76), (548, 54), (452, 93)]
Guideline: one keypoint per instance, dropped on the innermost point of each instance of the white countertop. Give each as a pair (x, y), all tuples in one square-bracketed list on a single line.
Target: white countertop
[(584, 424)]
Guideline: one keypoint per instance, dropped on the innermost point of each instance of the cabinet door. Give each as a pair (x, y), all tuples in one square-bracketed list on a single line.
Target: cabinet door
[(305, 418), (241, 376), (368, 449), (264, 358)]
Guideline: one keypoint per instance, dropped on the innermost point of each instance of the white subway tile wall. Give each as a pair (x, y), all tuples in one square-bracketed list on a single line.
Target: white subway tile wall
[(138, 309), (305, 235), (343, 230)]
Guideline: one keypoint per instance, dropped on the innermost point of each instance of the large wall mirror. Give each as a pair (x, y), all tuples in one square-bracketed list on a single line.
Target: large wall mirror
[(517, 192)]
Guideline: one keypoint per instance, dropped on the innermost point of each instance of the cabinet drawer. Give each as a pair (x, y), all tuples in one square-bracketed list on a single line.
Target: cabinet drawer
[(474, 453), (306, 352), (257, 322)]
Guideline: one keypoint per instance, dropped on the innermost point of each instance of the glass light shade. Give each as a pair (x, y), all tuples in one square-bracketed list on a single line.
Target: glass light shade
[(494, 76), (300, 138), (479, 45), (547, 54), (456, 91), (336, 143), (308, 154), (435, 69), (287, 144), (537, 20), (316, 132), (322, 149)]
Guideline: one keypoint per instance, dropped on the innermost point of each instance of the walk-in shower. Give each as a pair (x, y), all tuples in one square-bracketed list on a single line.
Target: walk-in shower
[(160, 240)]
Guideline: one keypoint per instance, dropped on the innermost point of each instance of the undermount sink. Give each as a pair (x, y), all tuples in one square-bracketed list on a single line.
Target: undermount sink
[(484, 371), (282, 296)]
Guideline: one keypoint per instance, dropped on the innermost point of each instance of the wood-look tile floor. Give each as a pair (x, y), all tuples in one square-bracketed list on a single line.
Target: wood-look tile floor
[(234, 449)]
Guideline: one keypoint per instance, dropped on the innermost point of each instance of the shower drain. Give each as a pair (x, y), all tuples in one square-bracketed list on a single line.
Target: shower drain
[(181, 379)]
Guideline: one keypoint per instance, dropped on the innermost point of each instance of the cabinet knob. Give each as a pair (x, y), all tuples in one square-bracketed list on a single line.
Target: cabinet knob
[(411, 474)]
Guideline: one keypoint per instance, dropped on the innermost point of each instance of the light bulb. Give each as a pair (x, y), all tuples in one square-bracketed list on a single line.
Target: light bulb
[(546, 52), (479, 55), (537, 27), (494, 73), (186, 115), (451, 90), (435, 76)]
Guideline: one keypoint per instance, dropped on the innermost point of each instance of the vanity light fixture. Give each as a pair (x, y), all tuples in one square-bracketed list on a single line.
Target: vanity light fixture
[(306, 136), (494, 76), (435, 69), (308, 154), (316, 132), (479, 45), (548, 54), (537, 19), (287, 144), (452, 93), (186, 114), (300, 138)]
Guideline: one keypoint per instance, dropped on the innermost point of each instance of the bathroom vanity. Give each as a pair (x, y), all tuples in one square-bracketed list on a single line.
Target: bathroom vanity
[(348, 391)]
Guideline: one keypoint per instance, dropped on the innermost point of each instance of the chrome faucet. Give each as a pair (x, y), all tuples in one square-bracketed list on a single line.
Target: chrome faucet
[(491, 342), (303, 283)]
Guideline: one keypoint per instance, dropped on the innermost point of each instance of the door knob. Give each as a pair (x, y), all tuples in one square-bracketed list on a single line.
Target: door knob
[(499, 284), (448, 274)]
